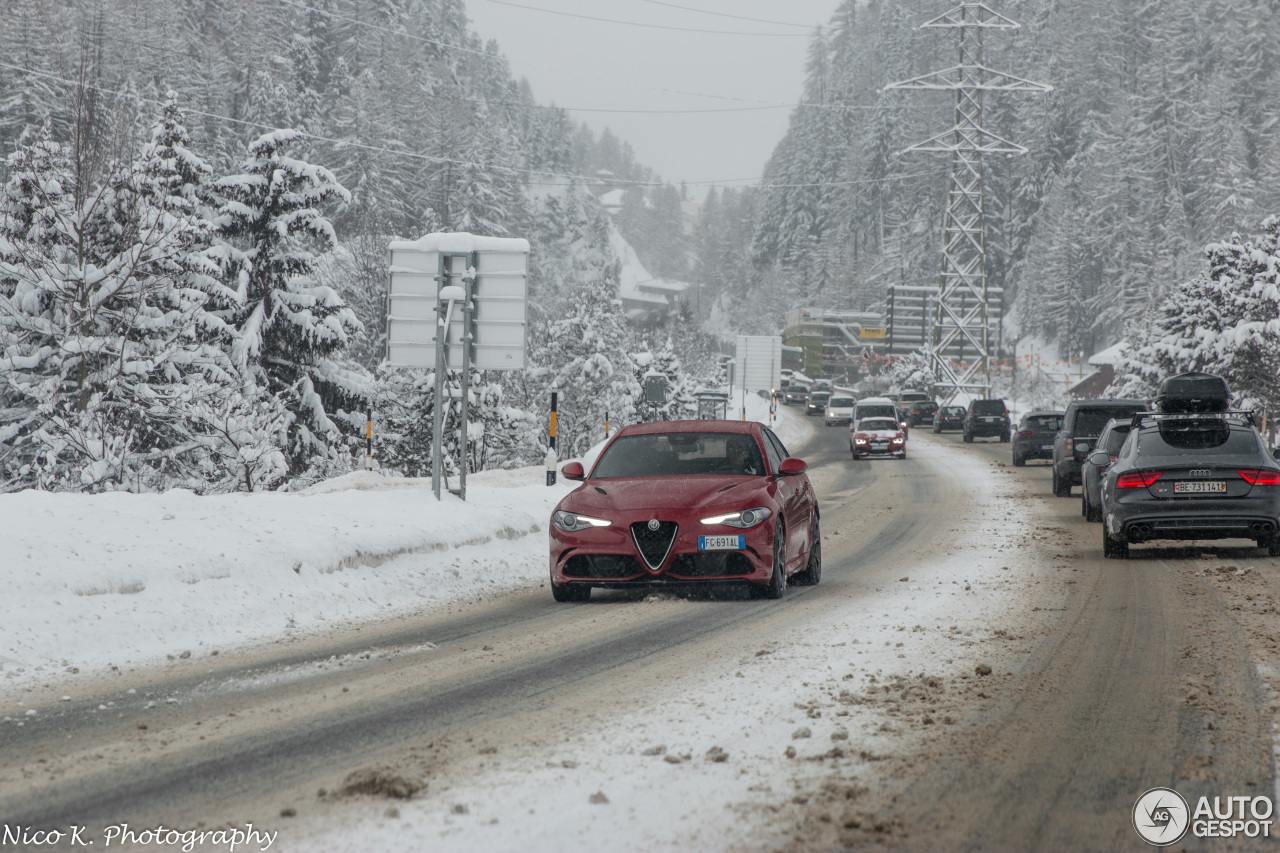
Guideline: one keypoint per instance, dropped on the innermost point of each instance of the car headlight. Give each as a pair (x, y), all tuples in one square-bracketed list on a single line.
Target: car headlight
[(859, 441), (743, 518), (571, 522)]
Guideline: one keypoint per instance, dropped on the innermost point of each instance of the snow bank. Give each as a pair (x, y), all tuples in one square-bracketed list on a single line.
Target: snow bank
[(113, 579)]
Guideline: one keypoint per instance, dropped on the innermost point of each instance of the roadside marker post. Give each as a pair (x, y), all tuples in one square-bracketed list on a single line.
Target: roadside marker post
[(368, 441), (551, 444)]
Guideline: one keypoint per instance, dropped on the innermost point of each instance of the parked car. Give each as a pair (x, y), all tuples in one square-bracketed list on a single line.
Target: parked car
[(877, 436), (948, 417), (1109, 442), (675, 503), (986, 418), (1190, 476), (1035, 435), (797, 392), (816, 403), (839, 410), (1081, 425)]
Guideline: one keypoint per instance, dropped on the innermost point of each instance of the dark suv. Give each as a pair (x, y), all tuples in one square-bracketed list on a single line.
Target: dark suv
[(986, 417), (1081, 427), (1034, 439), (920, 411)]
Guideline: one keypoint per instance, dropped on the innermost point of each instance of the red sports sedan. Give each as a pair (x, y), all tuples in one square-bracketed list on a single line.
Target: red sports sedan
[(877, 437), (687, 502)]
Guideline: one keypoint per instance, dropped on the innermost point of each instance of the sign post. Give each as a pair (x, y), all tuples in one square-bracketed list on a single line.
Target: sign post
[(476, 288)]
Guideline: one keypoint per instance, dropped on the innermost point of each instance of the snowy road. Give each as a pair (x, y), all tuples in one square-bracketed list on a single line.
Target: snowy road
[(851, 713)]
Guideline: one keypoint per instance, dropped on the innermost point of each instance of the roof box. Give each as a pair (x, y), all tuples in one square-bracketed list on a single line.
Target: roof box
[(1193, 392)]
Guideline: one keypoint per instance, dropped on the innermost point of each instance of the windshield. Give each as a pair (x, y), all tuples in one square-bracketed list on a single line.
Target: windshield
[(819, 396), (877, 410), (989, 407), (680, 454), (1091, 421), (841, 402), (873, 424)]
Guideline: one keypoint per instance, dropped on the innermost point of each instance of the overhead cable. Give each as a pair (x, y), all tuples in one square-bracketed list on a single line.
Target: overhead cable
[(644, 25)]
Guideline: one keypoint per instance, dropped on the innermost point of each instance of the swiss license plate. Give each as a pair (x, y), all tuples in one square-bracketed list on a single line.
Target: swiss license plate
[(1198, 487), (1046, 447), (721, 543)]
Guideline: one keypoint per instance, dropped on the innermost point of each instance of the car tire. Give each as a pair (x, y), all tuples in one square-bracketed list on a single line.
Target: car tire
[(1111, 549), (1004, 438), (1019, 461), (903, 455), (1061, 486), (778, 580), (812, 572), (1272, 545), (1091, 512), (968, 439), (571, 592)]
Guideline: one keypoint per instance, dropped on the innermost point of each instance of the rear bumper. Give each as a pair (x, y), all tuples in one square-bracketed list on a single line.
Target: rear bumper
[(1148, 526), (1030, 450)]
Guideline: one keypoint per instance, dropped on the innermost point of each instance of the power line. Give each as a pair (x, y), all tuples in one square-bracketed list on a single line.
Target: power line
[(727, 15), (400, 152), (492, 58), (646, 26)]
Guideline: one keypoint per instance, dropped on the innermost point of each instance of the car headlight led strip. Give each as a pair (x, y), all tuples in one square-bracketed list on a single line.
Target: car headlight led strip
[(572, 522), (743, 518)]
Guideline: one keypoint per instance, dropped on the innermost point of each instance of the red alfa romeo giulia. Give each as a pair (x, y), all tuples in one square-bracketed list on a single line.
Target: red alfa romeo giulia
[(678, 503)]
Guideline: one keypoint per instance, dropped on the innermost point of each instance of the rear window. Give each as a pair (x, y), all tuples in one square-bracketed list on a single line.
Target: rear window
[(989, 407), (1174, 439), (1091, 421), (1115, 438), (1049, 422), (677, 454)]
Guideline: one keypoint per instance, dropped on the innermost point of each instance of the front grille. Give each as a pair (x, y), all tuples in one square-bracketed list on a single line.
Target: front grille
[(711, 565), (602, 566), (654, 544)]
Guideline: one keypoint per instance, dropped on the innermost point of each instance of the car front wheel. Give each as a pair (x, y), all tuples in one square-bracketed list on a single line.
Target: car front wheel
[(813, 569), (778, 580)]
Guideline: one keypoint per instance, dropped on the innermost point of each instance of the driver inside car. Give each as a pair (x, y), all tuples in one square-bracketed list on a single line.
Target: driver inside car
[(741, 456)]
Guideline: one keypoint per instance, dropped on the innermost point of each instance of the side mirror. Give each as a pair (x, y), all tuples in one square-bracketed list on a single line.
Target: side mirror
[(573, 471), (1082, 446), (1100, 458), (792, 466)]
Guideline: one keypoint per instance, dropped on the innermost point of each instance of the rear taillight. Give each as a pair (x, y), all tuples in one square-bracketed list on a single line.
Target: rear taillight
[(1026, 433), (1071, 446), (1137, 479), (1263, 477)]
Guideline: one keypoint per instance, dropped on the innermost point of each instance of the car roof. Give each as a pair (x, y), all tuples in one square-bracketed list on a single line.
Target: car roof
[(877, 400), (656, 427), (1043, 414)]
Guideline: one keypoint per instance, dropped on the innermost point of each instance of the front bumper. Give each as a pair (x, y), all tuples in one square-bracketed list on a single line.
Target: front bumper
[(608, 557)]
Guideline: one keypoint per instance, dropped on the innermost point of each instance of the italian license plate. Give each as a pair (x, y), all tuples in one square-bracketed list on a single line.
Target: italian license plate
[(721, 543), (1199, 487)]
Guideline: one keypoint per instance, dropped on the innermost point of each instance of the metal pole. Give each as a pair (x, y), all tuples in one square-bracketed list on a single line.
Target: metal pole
[(437, 422), (551, 441), (468, 341), (368, 441)]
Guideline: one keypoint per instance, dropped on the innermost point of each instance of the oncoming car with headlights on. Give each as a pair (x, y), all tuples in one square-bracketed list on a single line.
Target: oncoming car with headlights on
[(685, 503)]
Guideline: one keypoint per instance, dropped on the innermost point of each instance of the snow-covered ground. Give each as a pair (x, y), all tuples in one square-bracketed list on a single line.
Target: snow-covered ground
[(611, 789), (94, 581)]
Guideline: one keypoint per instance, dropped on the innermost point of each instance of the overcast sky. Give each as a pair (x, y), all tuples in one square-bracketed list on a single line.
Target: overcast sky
[(587, 65)]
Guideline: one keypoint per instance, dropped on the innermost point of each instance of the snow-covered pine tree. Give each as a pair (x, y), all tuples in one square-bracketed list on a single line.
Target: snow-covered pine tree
[(910, 372), (104, 370), (680, 404), (291, 330)]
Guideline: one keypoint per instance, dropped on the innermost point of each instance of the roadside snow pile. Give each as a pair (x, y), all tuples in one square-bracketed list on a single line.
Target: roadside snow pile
[(115, 579)]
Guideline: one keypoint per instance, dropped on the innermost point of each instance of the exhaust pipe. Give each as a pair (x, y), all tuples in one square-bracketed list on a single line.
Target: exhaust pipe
[(1262, 528), (1138, 532), (1255, 528)]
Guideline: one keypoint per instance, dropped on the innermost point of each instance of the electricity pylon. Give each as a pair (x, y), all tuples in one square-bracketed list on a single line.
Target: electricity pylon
[(962, 314)]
